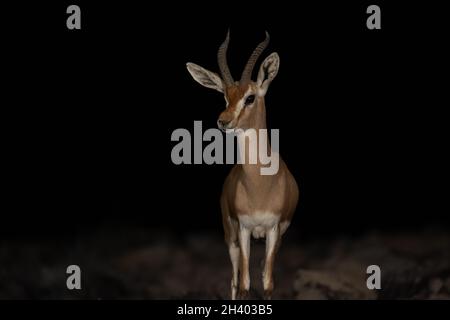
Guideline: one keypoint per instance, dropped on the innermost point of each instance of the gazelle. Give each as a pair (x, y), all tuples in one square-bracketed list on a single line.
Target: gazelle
[(252, 204)]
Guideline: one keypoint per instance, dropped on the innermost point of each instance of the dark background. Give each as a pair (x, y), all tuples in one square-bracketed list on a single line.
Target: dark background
[(88, 114)]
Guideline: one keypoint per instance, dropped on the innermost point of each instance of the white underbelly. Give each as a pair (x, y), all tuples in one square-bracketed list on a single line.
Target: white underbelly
[(259, 222)]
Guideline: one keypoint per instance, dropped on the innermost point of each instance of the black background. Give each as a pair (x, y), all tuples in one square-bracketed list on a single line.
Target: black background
[(88, 114)]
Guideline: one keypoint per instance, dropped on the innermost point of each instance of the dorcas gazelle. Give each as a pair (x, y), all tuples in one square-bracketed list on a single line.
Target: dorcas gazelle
[(252, 204)]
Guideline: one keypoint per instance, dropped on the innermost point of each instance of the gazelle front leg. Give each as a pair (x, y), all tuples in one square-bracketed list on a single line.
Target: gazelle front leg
[(244, 244), (272, 239), (234, 251)]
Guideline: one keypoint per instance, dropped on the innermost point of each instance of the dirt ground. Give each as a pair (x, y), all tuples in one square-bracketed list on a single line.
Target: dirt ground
[(138, 263)]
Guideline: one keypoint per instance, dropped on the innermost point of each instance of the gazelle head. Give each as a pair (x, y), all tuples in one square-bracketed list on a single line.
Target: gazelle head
[(244, 98)]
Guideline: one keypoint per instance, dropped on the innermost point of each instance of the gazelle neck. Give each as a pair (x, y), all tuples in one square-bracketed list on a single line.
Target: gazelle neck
[(252, 171), (259, 119)]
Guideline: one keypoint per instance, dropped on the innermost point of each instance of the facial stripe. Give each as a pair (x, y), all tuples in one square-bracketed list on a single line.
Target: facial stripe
[(240, 104), (235, 98)]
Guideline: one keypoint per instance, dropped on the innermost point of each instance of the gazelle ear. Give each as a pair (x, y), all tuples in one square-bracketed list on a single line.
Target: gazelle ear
[(204, 77), (267, 72)]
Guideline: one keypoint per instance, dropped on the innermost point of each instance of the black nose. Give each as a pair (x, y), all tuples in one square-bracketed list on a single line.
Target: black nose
[(222, 123)]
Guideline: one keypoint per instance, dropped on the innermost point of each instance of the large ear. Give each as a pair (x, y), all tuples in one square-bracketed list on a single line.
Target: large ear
[(267, 72), (204, 77)]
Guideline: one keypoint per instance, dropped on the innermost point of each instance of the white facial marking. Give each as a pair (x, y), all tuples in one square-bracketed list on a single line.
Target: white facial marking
[(241, 102)]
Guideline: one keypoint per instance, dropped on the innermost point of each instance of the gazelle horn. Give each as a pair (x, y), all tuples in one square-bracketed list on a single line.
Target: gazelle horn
[(222, 60), (247, 73)]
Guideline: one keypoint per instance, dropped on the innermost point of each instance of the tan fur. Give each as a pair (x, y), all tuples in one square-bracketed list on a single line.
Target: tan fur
[(251, 203), (247, 192)]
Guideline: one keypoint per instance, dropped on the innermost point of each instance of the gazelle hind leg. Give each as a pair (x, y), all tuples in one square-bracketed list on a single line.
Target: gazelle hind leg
[(231, 238), (283, 227), (272, 242), (234, 251), (244, 244)]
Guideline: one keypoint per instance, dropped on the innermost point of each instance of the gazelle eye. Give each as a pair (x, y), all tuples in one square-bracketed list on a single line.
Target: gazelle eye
[(250, 99)]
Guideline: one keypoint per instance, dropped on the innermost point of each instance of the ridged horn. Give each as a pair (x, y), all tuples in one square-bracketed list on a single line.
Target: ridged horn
[(222, 60), (247, 73)]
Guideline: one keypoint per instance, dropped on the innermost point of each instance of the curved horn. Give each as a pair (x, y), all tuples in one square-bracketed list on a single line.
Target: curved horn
[(222, 60), (247, 73)]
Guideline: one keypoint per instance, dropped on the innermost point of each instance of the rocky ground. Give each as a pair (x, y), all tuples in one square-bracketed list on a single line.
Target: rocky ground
[(140, 264)]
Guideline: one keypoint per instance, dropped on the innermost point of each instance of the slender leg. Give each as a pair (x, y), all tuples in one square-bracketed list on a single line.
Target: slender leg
[(234, 251), (244, 243), (272, 239)]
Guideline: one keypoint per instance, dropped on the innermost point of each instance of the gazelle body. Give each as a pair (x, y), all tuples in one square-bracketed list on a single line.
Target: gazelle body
[(252, 204)]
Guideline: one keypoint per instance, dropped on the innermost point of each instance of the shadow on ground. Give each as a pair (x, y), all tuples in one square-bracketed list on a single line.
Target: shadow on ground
[(144, 264)]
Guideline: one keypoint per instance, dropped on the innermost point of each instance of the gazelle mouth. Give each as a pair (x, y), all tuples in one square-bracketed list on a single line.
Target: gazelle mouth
[(234, 130), (226, 129)]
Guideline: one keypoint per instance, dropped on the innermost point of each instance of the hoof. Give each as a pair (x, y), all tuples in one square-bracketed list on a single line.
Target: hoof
[(267, 294), (243, 294)]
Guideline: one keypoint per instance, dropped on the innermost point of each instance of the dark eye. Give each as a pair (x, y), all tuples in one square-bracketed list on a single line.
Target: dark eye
[(250, 99)]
